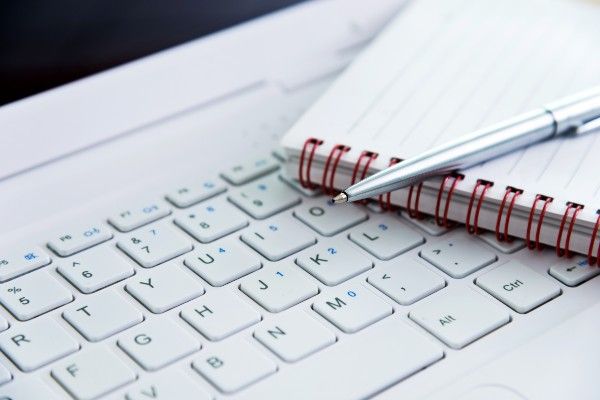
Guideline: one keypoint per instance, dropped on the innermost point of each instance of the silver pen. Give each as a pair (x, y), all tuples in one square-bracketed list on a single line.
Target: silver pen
[(577, 114)]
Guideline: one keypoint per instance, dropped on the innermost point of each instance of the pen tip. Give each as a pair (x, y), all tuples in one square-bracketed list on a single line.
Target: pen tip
[(340, 198)]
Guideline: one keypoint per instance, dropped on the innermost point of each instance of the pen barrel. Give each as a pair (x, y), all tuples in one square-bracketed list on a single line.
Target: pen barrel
[(462, 153)]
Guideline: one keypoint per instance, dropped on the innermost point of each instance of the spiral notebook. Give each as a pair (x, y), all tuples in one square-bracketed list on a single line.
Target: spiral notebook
[(444, 68)]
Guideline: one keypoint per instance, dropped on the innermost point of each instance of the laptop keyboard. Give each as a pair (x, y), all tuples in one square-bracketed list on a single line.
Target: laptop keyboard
[(237, 278)]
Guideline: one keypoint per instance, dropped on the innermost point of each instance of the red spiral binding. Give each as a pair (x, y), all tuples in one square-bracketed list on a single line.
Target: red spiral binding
[(576, 209), (591, 260), (307, 183), (516, 193), (414, 213), (335, 154), (370, 156), (444, 222), (486, 185), (387, 205), (537, 245)]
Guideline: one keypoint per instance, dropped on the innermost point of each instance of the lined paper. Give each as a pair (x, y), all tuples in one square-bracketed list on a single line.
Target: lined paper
[(444, 68)]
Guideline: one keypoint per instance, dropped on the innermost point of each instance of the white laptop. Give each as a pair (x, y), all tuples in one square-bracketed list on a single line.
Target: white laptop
[(150, 247)]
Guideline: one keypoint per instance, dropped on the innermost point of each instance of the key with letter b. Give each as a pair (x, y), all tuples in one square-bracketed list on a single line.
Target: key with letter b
[(233, 365)]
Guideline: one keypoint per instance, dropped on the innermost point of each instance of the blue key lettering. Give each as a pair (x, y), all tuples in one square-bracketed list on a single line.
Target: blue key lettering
[(210, 209), (221, 250), (383, 227), (30, 256), (273, 228), (279, 273), (351, 293), (209, 185), (332, 250)]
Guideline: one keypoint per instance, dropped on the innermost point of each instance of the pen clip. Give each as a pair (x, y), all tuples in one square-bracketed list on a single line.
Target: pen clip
[(588, 127)]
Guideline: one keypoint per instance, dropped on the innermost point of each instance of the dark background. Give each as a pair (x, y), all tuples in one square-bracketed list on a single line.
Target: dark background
[(45, 43)]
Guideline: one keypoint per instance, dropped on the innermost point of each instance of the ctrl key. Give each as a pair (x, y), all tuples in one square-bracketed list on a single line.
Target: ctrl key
[(234, 366), (92, 373)]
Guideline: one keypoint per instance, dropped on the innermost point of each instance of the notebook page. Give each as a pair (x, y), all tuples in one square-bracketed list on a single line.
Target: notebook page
[(444, 68)]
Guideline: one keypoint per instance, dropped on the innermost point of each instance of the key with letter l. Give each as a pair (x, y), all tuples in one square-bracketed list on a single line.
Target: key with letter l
[(385, 238)]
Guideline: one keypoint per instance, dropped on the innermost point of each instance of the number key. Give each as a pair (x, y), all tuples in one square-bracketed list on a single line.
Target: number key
[(95, 269), (265, 197), (154, 245), (33, 294), (212, 220)]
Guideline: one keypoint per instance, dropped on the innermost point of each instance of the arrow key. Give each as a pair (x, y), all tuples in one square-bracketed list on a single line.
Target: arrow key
[(574, 271), (406, 281)]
